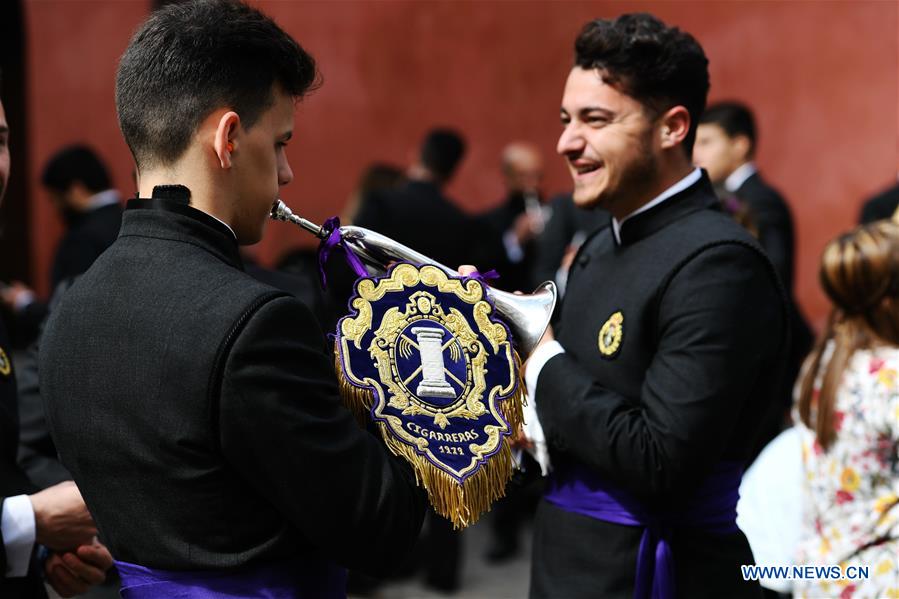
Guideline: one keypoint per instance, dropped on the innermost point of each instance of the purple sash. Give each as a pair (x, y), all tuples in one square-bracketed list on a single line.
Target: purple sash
[(293, 579), (712, 509)]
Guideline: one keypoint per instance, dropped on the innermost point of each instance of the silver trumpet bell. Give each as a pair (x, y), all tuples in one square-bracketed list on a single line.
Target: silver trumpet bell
[(526, 315)]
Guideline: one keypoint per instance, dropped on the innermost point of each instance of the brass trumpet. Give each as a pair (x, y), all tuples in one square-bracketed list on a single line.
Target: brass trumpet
[(526, 315)]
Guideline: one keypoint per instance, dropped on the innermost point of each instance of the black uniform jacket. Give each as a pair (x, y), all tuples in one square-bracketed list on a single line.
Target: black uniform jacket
[(13, 480), (703, 333), (198, 412), (568, 224), (774, 221), (881, 206), (513, 276), (88, 236), (419, 216)]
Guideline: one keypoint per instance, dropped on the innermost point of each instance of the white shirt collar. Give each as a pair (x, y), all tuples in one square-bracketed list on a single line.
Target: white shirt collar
[(736, 179), (678, 187), (104, 198)]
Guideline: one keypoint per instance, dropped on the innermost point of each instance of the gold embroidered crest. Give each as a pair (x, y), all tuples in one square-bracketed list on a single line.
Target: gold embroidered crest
[(5, 364), (610, 335), (422, 358)]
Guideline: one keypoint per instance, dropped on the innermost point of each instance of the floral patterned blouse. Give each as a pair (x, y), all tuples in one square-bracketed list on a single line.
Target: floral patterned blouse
[(851, 491)]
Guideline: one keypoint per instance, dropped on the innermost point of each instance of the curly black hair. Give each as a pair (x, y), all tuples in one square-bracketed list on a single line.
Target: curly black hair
[(658, 65), (191, 58)]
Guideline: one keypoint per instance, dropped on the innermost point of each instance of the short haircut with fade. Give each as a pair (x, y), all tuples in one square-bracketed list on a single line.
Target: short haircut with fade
[(191, 58), (657, 65)]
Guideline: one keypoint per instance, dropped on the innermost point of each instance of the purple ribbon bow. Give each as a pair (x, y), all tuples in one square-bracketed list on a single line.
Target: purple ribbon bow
[(484, 277), (332, 240)]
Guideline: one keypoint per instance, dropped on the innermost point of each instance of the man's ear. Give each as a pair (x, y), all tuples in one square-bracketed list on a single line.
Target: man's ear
[(225, 141), (742, 146), (77, 195), (675, 125)]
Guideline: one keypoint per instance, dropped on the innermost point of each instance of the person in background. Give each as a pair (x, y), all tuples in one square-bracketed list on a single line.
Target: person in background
[(726, 145), (848, 416), (56, 517), (419, 214), (519, 219), (79, 186), (881, 206)]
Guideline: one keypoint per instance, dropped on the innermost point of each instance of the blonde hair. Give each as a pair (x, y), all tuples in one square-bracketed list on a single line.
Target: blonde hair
[(860, 274)]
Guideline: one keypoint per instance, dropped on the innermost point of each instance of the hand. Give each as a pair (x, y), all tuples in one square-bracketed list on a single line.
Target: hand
[(73, 573), (466, 269), (61, 517), (527, 226), (521, 441)]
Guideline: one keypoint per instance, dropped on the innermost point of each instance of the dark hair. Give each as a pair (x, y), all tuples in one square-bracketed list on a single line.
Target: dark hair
[(441, 152), (734, 118), (657, 65), (75, 163), (380, 176), (189, 59), (860, 275)]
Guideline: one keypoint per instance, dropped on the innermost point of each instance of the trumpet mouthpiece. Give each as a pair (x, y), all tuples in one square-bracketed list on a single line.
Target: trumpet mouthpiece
[(281, 212)]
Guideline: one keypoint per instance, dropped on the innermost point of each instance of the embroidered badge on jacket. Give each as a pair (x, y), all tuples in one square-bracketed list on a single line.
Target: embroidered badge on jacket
[(5, 364), (610, 335)]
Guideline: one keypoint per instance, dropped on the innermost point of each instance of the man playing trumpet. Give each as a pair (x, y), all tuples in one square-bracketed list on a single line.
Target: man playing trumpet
[(197, 408)]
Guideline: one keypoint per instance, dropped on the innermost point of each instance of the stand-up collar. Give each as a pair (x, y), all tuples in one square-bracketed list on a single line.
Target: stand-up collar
[(168, 215), (697, 196), (737, 178)]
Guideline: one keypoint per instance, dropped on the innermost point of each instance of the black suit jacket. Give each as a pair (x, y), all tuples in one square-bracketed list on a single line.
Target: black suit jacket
[(88, 235), (774, 223), (514, 276), (13, 480), (419, 216), (881, 206), (197, 410), (566, 222), (37, 452), (704, 331)]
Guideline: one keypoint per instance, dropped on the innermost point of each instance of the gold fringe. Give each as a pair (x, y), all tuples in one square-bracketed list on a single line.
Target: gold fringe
[(461, 504), (358, 400)]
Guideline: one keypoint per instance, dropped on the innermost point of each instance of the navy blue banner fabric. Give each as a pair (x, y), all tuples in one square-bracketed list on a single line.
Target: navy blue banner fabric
[(424, 356)]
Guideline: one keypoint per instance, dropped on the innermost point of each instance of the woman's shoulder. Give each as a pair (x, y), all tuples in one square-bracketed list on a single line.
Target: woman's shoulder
[(879, 360)]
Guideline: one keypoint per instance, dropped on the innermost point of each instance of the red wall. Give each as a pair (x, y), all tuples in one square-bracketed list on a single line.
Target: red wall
[(72, 49), (822, 77)]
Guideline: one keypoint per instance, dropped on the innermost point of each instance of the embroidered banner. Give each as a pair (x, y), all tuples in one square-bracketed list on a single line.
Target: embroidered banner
[(423, 356)]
